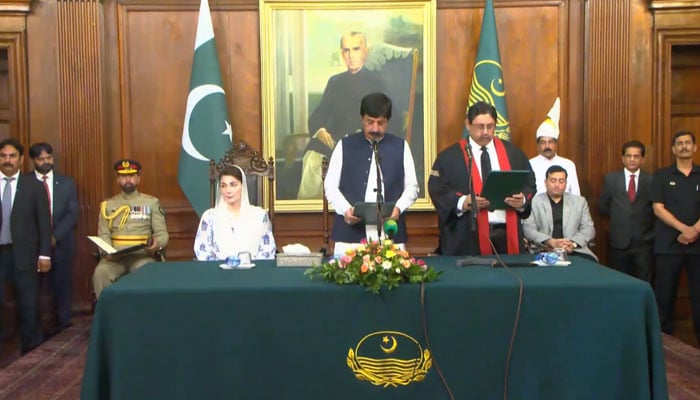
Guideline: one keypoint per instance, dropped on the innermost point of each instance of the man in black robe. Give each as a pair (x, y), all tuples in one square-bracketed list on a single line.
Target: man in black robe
[(456, 180)]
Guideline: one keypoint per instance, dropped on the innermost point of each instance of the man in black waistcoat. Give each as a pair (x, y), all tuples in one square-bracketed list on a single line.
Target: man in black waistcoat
[(352, 176)]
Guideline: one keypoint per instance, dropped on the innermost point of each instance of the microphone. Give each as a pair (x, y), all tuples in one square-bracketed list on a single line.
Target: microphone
[(472, 195), (375, 149), (390, 228), (485, 261)]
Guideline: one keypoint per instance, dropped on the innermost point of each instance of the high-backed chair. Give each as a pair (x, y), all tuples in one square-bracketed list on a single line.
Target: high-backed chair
[(398, 69), (257, 170), (326, 250)]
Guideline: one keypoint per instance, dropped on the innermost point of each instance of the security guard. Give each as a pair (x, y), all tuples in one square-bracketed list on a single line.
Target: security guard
[(128, 219)]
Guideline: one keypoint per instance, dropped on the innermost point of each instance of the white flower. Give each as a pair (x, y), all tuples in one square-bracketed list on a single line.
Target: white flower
[(386, 265), (398, 270)]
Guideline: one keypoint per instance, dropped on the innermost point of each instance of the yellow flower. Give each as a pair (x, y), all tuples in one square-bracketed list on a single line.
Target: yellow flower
[(350, 252), (361, 248), (388, 242), (390, 254)]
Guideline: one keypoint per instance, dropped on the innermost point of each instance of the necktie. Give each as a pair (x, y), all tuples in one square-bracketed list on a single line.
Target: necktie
[(48, 194), (631, 188), (5, 236), (485, 164)]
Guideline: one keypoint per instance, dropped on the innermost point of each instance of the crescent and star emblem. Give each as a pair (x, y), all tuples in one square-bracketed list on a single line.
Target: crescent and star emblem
[(196, 95), (494, 82), (391, 348)]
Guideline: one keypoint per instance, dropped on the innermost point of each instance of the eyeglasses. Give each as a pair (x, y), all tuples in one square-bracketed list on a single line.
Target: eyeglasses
[(484, 127)]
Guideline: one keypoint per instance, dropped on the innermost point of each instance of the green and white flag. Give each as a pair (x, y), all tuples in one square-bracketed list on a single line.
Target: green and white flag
[(206, 134), (487, 80)]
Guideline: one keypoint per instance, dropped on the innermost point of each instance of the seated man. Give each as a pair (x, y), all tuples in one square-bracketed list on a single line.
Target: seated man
[(559, 219), (127, 219)]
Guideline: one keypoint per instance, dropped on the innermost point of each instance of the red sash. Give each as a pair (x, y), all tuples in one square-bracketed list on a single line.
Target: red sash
[(513, 244)]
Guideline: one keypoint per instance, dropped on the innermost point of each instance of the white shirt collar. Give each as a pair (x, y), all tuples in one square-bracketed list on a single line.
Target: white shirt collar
[(40, 176), (628, 173), (476, 146), (16, 175)]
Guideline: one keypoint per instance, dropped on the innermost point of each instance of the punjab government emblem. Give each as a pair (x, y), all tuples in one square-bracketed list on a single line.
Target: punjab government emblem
[(389, 358)]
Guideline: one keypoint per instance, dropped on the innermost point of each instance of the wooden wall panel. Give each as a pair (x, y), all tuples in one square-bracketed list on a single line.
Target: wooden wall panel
[(81, 129), (675, 25), (685, 90), (607, 93)]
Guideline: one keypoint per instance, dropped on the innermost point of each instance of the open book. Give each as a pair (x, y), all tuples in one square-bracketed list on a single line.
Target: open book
[(107, 248)]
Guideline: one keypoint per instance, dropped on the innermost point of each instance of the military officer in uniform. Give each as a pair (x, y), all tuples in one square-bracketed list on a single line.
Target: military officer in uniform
[(127, 219)]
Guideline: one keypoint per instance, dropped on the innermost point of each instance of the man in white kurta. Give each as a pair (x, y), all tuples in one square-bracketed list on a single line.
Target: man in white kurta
[(547, 138)]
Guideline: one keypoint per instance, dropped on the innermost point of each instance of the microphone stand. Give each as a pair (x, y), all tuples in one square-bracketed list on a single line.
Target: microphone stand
[(380, 198), (472, 195)]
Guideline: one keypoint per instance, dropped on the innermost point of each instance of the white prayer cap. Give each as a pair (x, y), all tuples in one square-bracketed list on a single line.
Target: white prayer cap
[(550, 126)]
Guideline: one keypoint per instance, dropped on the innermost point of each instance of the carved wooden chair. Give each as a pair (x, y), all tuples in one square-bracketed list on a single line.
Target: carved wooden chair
[(257, 171)]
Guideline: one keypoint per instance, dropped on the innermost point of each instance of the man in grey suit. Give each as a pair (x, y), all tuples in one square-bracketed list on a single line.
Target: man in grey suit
[(559, 219), (625, 199)]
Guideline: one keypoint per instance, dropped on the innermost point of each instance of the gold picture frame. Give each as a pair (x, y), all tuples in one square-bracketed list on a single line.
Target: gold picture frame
[(300, 47)]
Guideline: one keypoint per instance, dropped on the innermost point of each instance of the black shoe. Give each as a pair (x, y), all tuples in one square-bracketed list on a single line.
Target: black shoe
[(56, 330), (28, 349)]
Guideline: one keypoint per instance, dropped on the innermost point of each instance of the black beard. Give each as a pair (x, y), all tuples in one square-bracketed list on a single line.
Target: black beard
[(45, 168), (128, 188)]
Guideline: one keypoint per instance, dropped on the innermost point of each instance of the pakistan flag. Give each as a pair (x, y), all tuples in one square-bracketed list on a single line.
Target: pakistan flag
[(206, 134)]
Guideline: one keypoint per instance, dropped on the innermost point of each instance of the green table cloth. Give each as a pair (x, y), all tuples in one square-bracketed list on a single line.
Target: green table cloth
[(190, 330)]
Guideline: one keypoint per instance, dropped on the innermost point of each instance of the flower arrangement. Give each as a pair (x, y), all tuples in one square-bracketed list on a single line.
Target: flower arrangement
[(374, 265)]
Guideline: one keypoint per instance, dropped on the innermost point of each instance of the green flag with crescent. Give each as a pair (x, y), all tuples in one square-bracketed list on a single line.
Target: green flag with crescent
[(206, 134), (487, 79)]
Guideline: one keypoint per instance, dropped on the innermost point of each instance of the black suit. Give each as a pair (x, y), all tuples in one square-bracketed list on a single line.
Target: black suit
[(64, 216), (31, 236), (631, 236)]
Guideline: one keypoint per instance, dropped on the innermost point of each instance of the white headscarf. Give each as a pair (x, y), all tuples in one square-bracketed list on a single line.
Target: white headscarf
[(234, 235)]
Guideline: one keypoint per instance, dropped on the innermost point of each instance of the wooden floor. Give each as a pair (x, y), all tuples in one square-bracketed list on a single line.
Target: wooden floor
[(54, 370)]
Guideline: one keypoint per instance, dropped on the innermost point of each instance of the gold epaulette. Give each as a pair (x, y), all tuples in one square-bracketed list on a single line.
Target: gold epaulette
[(125, 209)]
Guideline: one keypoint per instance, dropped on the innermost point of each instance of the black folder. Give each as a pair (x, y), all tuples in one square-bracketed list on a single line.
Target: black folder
[(368, 211)]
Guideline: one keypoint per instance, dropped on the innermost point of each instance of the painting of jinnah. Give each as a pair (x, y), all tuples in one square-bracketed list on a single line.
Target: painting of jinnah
[(340, 68), (338, 113)]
